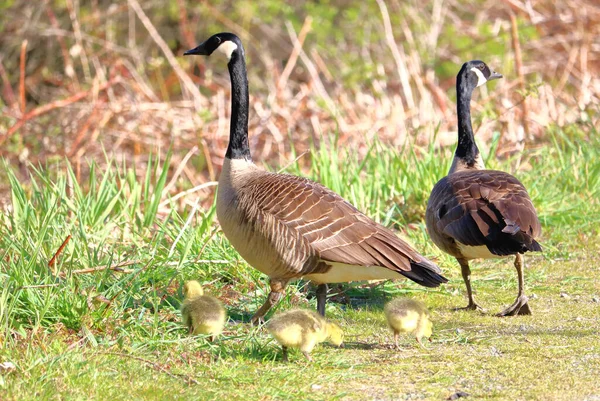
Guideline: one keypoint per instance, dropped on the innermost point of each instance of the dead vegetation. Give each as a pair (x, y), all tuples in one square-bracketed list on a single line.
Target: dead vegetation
[(80, 78)]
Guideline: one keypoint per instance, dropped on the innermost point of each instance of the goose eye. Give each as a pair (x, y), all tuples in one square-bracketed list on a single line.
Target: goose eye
[(481, 66)]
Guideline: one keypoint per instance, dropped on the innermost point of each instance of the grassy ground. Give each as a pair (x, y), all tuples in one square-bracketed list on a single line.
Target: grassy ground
[(77, 330)]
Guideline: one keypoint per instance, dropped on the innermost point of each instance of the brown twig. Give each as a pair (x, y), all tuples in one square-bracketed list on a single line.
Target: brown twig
[(54, 105), (60, 249), (22, 76), (116, 268)]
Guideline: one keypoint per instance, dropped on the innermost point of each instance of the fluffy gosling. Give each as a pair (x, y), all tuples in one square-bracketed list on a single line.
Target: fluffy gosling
[(408, 316), (303, 329), (201, 314)]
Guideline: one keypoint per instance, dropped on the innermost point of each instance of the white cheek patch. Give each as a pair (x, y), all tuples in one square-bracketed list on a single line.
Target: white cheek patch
[(227, 48), (480, 78)]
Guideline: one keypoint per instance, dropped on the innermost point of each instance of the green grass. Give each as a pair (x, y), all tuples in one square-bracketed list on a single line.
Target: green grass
[(116, 335)]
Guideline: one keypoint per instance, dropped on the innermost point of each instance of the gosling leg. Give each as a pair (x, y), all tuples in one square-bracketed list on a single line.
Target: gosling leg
[(285, 353)]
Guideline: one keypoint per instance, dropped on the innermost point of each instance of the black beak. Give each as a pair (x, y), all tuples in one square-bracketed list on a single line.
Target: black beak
[(494, 75), (200, 50)]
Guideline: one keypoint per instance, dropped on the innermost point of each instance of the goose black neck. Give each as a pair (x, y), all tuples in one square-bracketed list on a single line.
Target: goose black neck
[(238, 132), (466, 149)]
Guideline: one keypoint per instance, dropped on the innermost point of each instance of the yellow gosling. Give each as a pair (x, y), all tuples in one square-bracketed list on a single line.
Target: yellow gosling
[(408, 316), (201, 314), (303, 329)]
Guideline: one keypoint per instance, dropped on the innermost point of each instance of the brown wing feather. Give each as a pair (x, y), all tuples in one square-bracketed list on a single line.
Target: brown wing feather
[(324, 225), (485, 207)]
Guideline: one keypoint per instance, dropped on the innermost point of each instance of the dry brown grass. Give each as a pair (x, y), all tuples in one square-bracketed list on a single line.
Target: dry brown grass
[(95, 77)]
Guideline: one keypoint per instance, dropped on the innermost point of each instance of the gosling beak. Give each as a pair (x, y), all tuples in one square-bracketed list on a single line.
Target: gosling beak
[(495, 75), (199, 50)]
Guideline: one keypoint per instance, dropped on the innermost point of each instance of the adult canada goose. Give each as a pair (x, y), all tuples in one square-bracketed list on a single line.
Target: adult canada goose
[(303, 329), (201, 314), (290, 227), (405, 315), (477, 213)]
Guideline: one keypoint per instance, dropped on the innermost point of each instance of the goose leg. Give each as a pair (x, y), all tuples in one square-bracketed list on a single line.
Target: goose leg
[(520, 306), (277, 288), (466, 273), (321, 298)]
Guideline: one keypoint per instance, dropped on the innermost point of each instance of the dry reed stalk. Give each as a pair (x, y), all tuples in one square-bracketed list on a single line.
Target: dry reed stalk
[(315, 99), (83, 130), (223, 19), (22, 104), (397, 55), (7, 89), (52, 261), (180, 167), (69, 70), (183, 77), (184, 25), (291, 63), (320, 88), (57, 104), (514, 31), (73, 6)]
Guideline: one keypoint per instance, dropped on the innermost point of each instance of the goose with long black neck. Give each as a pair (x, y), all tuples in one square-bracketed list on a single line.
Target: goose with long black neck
[(289, 227), (476, 213)]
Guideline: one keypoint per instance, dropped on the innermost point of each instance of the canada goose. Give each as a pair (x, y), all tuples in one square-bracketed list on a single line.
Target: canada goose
[(200, 313), (406, 315), (303, 329), (289, 227), (476, 213)]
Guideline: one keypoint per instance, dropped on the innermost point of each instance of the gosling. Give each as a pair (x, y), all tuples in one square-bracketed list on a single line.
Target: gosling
[(303, 329), (408, 316), (201, 314)]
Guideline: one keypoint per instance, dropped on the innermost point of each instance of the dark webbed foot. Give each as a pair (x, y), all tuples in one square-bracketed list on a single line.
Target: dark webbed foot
[(519, 307)]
